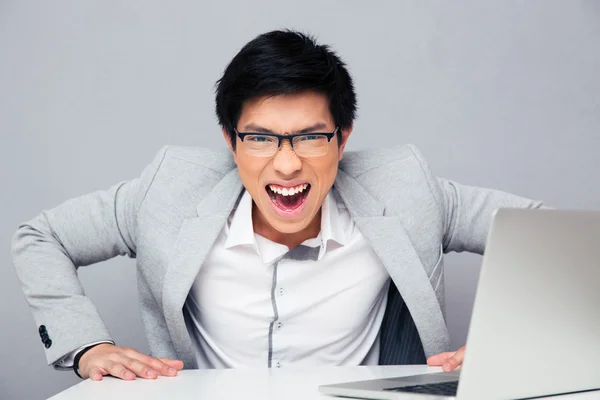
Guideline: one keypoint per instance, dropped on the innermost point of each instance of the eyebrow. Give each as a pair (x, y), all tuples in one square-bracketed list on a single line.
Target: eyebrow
[(251, 127)]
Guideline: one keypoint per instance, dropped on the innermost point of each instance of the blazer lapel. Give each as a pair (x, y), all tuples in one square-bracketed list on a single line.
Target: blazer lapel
[(391, 243), (196, 238)]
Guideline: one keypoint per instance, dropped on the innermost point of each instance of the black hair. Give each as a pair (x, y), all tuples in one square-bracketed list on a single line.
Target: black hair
[(284, 62)]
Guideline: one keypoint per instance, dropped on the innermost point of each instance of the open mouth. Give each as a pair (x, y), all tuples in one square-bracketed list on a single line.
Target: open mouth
[(288, 201)]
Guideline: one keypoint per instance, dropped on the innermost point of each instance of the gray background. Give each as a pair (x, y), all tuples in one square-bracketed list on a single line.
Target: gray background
[(502, 94)]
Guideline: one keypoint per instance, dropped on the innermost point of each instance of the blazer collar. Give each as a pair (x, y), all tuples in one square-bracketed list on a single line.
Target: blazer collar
[(196, 238), (359, 202)]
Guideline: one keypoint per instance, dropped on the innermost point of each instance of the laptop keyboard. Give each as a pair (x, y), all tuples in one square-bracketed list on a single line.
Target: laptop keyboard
[(443, 388)]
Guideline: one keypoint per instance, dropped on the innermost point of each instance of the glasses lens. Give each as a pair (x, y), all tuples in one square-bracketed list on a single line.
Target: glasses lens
[(260, 145), (311, 145)]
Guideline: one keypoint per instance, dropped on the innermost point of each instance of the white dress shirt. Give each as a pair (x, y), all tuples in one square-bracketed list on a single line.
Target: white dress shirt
[(254, 305)]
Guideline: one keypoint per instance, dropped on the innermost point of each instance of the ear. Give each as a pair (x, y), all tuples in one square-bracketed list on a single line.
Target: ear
[(344, 139), (229, 144)]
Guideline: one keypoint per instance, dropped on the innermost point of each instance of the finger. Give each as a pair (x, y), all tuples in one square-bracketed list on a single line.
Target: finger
[(177, 364), (454, 361), (137, 367), (96, 374), (451, 364), (156, 364), (119, 371), (439, 359)]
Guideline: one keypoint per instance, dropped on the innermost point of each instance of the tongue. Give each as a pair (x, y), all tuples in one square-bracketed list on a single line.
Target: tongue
[(289, 202)]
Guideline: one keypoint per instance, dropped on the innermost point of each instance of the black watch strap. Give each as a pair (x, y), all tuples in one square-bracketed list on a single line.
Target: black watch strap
[(79, 355)]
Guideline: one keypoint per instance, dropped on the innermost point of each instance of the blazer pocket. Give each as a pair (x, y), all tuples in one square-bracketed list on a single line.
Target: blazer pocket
[(436, 273)]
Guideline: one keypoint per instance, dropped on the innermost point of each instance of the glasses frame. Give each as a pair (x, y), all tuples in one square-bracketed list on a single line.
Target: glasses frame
[(290, 137)]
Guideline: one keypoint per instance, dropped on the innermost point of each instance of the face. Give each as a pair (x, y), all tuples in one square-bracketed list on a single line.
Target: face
[(305, 180)]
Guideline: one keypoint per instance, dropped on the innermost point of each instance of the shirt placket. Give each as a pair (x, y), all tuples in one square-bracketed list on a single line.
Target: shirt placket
[(277, 345)]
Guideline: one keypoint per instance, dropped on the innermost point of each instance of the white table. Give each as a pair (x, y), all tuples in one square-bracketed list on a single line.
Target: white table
[(290, 383)]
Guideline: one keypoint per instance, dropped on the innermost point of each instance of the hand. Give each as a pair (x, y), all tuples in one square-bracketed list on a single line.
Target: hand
[(448, 361), (124, 363)]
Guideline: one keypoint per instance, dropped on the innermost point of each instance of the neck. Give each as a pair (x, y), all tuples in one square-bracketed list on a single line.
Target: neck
[(291, 240)]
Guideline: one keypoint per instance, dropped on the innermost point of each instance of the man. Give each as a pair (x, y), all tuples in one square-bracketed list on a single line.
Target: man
[(282, 250)]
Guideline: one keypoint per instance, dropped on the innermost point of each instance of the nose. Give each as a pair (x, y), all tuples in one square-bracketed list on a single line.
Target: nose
[(286, 162)]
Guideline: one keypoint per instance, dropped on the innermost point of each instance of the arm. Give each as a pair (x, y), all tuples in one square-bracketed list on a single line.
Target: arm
[(48, 250), (467, 211)]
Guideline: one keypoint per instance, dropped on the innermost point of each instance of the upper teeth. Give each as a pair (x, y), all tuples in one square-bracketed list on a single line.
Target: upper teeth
[(288, 191)]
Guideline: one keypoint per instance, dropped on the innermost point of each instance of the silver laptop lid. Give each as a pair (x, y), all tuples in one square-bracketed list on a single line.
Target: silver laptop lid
[(535, 328)]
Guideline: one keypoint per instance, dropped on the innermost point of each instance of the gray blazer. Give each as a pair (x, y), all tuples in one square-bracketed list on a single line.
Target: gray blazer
[(170, 216)]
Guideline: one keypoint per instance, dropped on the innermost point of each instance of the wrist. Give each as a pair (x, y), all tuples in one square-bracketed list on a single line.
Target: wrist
[(80, 355)]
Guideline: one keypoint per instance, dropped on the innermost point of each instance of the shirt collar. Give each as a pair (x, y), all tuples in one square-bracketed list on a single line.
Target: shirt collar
[(332, 230), (241, 230)]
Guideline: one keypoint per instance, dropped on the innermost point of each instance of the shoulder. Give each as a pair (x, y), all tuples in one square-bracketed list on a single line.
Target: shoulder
[(195, 158), (184, 175), (404, 159), (399, 177)]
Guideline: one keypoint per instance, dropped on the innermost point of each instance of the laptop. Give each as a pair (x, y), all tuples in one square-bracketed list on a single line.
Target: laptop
[(535, 327)]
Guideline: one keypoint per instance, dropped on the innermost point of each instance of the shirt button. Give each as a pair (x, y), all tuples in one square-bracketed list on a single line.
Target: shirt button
[(281, 291), (279, 325), (278, 364)]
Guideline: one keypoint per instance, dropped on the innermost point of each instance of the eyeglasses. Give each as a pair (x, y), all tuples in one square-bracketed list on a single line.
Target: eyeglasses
[(303, 144)]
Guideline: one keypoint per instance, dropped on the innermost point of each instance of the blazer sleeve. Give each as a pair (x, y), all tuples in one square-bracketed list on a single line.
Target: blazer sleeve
[(48, 249), (467, 211)]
